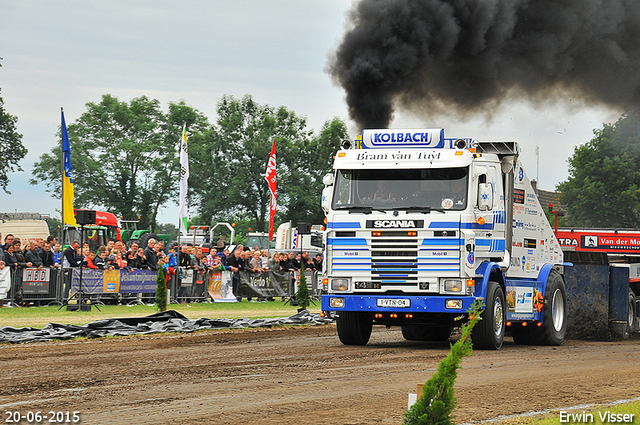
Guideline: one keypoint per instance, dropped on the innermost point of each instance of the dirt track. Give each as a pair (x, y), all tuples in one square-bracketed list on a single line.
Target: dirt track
[(297, 376)]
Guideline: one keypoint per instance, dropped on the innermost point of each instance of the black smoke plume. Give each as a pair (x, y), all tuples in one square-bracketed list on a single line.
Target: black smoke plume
[(467, 56)]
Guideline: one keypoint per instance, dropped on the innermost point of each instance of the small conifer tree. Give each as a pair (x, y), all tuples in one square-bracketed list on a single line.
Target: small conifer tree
[(302, 296), (161, 290), (435, 405)]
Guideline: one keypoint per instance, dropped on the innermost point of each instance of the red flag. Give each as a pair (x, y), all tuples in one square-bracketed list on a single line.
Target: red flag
[(271, 180)]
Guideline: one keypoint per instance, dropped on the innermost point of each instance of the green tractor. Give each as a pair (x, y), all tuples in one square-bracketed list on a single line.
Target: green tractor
[(129, 234)]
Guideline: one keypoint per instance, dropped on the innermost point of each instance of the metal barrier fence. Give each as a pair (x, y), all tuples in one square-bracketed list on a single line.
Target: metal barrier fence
[(52, 286), (32, 286)]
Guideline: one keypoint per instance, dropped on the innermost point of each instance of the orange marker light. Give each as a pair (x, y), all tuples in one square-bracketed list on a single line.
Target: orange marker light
[(481, 221)]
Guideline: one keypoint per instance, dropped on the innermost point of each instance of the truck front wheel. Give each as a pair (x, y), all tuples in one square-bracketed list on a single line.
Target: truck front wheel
[(488, 333), (354, 328)]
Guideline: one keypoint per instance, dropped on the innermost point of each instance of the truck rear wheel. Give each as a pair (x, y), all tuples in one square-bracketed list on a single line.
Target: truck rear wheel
[(426, 333), (634, 324), (554, 324), (354, 328), (488, 334), (554, 316)]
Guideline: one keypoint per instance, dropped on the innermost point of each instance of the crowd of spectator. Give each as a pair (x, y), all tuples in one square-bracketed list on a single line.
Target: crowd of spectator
[(37, 253), (116, 255)]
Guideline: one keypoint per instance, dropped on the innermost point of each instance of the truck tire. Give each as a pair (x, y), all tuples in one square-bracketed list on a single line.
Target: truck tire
[(354, 328), (634, 323), (488, 334), (144, 239), (554, 315), (427, 333)]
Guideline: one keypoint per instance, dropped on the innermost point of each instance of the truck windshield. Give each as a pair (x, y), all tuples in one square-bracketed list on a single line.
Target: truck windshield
[(416, 189)]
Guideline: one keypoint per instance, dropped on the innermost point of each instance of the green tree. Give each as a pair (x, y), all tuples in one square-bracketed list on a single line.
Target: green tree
[(233, 155), (437, 402), (303, 298), (304, 167), (161, 289), (124, 156), (11, 148), (603, 188)]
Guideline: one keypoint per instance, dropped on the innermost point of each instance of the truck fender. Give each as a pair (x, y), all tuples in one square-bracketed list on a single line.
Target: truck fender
[(485, 271)]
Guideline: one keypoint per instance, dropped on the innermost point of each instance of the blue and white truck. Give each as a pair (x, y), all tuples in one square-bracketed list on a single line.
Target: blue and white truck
[(419, 226)]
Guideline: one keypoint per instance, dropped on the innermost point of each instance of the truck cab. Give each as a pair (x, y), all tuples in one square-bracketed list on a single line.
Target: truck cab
[(417, 231)]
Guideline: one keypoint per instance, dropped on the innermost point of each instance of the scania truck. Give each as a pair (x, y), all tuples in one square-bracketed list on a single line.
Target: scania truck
[(419, 226)]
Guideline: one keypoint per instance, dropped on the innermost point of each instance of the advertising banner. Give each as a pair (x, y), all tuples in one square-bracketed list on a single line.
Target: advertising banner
[(36, 281), (265, 284), (114, 281), (220, 287)]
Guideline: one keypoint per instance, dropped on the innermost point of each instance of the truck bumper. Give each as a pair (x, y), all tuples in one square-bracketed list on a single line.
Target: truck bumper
[(398, 304)]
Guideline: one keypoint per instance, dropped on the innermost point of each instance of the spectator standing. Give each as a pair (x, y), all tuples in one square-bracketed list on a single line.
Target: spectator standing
[(19, 254), (10, 258), (88, 260), (236, 265), (318, 262), (32, 256), (57, 254), (151, 256), (47, 256), (255, 263), (71, 258), (7, 240), (140, 259)]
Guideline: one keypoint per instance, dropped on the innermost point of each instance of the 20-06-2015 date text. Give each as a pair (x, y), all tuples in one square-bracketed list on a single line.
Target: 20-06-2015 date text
[(59, 417)]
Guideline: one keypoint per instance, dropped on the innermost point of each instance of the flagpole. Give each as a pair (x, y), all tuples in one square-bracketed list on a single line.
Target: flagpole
[(62, 228), (61, 181), (179, 179), (180, 218)]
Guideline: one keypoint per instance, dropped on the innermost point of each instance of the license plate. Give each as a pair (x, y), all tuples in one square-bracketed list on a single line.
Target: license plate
[(393, 302)]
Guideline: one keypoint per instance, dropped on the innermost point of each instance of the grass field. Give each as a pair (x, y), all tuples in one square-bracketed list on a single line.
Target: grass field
[(37, 317)]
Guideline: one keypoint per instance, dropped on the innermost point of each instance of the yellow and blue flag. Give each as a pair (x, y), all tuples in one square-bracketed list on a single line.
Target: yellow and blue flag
[(68, 217)]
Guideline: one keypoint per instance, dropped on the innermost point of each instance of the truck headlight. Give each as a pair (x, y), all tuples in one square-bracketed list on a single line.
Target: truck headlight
[(453, 285), (339, 284), (454, 304), (336, 302)]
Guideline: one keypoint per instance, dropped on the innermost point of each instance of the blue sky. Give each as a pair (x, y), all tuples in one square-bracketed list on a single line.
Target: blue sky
[(67, 53)]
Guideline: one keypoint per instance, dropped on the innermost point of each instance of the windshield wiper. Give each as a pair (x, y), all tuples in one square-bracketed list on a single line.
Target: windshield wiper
[(423, 210), (362, 210)]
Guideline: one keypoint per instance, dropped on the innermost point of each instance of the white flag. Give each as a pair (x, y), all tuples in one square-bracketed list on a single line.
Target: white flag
[(184, 177)]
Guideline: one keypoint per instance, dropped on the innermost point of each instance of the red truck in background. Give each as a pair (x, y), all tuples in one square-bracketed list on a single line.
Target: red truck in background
[(619, 246)]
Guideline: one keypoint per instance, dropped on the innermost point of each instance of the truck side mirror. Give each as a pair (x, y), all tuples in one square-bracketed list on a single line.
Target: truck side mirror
[(485, 196), (326, 199)]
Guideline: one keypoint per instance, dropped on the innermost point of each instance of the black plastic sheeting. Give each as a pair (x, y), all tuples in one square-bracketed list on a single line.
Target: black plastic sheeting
[(168, 321)]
